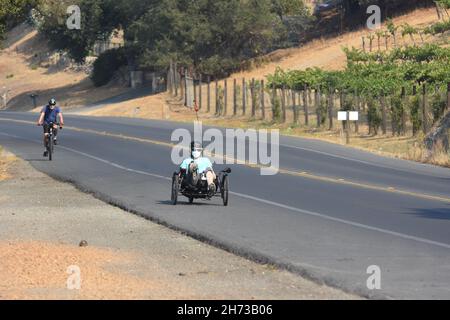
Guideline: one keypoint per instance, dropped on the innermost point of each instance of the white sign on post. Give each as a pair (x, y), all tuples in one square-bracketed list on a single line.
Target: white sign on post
[(354, 116), (342, 116), (348, 116)]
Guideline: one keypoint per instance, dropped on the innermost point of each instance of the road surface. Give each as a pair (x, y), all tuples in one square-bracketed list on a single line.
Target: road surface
[(329, 215)]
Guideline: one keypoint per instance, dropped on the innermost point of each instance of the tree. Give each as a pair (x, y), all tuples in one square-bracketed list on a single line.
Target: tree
[(283, 8), (13, 12), (99, 18), (193, 33)]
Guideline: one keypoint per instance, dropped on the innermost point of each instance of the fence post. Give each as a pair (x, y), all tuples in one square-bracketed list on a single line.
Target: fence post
[(424, 109), (252, 93), (263, 105), (403, 111), (317, 101), (208, 94), (181, 75), (185, 87), (169, 79), (244, 96), (234, 97), (358, 109), (448, 96), (414, 127), (330, 108), (217, 96), (274, 95), (283, 103), (305, 105), (294, 107), (438, 11), (383, 112), (175, 78), (200, 99), (225, 97), (195, 89)]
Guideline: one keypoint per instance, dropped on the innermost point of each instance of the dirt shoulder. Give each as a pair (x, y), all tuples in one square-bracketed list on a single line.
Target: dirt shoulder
[(127, 257)]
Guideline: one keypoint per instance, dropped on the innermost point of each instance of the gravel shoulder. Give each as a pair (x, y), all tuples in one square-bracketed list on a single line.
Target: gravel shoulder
[(43, 221)]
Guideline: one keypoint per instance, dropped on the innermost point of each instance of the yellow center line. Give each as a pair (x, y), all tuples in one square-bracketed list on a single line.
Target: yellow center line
[(258, 166)]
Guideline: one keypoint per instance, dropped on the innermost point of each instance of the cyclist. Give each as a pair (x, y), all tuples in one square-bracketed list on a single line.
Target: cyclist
[(196, 165), (49, 115)]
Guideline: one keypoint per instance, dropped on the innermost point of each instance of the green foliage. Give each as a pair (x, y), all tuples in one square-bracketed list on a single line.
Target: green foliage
[(373, 116), (438, 27), (371, 74), (391, 27), (106, 65), (322, 110), (407, 29), (213, 36), (13, 12), (444, 3), (397, 111), (288, 7), (276, 107), (98, 21), (415, 114), (438, 106)]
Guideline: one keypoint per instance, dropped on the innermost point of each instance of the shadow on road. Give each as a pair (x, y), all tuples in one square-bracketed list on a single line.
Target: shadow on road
[(433, 213), (186, 203)]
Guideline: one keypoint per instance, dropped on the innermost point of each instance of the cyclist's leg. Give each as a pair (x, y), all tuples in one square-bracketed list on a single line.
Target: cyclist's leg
[(46, 132), (55, 133), (210, 176), (193, 174)]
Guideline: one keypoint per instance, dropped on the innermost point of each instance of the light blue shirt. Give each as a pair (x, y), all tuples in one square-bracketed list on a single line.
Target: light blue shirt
[(202, 163)]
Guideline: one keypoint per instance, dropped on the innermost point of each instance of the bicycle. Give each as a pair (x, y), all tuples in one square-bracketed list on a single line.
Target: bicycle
[(50, 139)]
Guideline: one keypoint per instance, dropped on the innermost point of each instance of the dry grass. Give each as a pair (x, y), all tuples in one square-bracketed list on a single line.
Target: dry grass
[(6, 160)]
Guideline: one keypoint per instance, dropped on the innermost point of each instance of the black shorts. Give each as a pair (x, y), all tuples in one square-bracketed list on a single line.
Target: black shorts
[(47, 129)]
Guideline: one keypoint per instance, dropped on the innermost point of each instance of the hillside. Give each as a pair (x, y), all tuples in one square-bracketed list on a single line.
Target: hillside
[(325, 53), (28, 67)]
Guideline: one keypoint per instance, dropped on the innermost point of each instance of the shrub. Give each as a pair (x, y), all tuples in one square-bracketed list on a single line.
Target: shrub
[(415, 114), (107, 64), (397, 110), (438, 106), (276, 108), (373, 116)]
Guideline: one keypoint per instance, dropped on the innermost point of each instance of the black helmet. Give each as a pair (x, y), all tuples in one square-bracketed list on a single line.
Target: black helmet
[(52, 102), (196, 145), (197, 148)]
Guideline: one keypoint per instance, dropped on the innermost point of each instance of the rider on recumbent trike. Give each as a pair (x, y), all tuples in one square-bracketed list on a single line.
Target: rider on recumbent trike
[(196, 167)]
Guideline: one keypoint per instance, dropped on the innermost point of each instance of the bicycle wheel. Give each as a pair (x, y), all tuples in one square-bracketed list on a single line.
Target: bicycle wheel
[(175, 188), (224, 190), (50, 147)]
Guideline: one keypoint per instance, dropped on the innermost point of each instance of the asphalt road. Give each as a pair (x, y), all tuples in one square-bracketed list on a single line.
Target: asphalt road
[(329, 215)]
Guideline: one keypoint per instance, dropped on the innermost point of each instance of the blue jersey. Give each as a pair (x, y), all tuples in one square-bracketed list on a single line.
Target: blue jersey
[(202, 163), (50, 115)]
